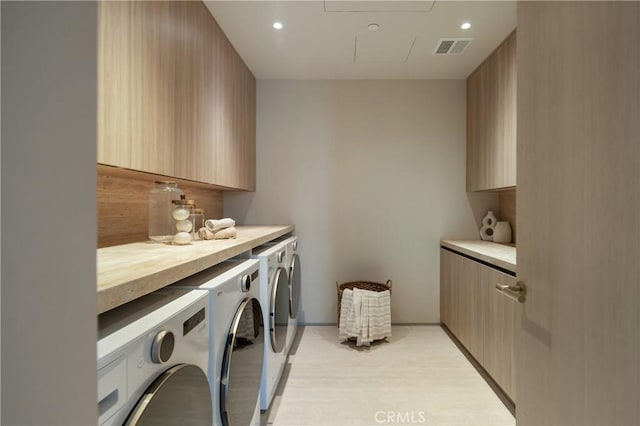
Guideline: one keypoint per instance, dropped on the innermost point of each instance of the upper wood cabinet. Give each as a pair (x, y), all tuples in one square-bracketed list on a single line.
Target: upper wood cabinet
[(491, 120), (175, 98)]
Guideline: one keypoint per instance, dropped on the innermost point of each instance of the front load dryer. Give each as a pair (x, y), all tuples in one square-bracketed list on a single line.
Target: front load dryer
[(292, 264), (237, 339), (274, 294), (152, 358)]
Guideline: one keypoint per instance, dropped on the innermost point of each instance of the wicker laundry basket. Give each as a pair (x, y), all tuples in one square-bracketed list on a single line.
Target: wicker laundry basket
[(362, 285)]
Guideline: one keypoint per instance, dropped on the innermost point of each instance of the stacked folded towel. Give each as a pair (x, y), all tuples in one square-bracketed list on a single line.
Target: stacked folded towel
[(365, 315), (218, 229)]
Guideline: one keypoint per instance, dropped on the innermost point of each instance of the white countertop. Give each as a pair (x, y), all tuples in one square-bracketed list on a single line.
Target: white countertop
[(501, 255)]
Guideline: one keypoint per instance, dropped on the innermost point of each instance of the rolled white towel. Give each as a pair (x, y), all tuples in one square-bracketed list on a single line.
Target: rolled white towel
[(225, 233), (214, 225)]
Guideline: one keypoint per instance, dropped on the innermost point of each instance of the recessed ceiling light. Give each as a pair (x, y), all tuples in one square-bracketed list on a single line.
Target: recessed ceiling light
[(373, 27), (277, 25), (465, 25)]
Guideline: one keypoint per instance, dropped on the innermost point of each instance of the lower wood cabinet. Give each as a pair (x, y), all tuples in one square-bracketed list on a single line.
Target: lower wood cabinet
[(481, 318)]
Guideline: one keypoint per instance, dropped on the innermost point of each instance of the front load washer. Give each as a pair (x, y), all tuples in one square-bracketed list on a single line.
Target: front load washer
[(292, 264), (237, 339), (152, 358), (274, 294)]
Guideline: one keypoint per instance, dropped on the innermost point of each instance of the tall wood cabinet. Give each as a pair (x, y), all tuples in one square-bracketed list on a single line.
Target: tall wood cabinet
[(491, 120), (174, 96), (482, 319)]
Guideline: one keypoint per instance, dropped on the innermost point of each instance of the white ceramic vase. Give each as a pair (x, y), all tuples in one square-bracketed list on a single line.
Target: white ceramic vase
[(502, 233), (488, 223)]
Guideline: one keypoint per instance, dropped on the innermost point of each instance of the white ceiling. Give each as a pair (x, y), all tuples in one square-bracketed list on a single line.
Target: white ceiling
[(320, 43)]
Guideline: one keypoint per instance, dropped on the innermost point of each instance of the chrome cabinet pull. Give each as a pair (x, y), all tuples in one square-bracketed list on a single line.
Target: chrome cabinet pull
[(516, 292)]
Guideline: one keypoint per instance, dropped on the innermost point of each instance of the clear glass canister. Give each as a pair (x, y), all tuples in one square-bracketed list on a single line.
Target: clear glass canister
[(161, 226), (182, 214), (198, 222)]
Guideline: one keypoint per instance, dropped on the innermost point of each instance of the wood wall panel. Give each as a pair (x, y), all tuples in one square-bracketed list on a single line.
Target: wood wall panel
[(491, 120), (123, 204), (507, 209), (579, 213)]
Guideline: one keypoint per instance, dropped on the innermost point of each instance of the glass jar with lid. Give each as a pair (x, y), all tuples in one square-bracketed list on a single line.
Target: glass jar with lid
[(161, 225), (182, 215)]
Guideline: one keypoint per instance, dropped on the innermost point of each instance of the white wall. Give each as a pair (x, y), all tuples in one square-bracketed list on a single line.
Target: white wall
[(49, 101), (372, 173)]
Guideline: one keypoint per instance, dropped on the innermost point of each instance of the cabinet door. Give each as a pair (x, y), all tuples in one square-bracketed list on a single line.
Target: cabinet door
[(491, 120), (474, 279), (195, 141), (136, 93), (175, 98), (448, 289), (462, 300), (236, 119), (500, 332), (115, 118)]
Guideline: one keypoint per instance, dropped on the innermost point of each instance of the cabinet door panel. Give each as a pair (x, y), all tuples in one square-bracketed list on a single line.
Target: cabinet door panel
[(114, 81), (449, 278), (175, 98), (194, 145), (153, 72), (473, 283), (500, 337), (491, 120)]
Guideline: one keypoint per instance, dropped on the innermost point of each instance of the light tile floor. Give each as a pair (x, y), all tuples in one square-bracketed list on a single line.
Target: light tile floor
[(418, 376)]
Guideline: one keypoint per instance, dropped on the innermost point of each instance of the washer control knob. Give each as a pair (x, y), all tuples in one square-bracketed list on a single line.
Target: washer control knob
[(245, 283), (295, 245), (280, 256), (162, 347)]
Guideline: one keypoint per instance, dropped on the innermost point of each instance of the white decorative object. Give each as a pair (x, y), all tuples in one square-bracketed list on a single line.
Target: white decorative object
[(488, 223), (184, 226), (182, 238), (502, 233), (181, 213)]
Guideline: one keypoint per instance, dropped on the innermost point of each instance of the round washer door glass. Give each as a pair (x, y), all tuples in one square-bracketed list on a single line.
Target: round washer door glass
[(279, 309), (294, 286), (242, 365), (180, 396)]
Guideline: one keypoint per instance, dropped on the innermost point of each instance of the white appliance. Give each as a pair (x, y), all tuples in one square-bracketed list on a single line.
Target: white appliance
[(292, 264), (152, 358), (274, 294), (237, 339)]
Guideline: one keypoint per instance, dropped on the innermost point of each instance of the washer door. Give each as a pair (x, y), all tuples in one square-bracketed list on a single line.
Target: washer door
[(279, 309), (242, 365), (180, 396), (294, 286)]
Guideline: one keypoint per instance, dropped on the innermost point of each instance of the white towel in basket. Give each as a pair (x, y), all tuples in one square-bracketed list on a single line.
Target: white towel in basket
[(347, 322), (365, 315)]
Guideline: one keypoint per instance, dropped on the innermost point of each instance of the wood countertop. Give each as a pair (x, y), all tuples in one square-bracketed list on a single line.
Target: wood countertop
[(500, 255), (129, 271)]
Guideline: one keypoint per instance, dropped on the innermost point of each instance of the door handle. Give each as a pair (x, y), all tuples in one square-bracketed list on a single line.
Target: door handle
[(517, 292)]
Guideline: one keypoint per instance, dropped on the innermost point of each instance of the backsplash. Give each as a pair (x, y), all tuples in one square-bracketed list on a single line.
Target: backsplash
[(123, 204), (507, 209)]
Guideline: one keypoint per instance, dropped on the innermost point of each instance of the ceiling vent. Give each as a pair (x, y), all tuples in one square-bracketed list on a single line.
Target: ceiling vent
[(451, 46)]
